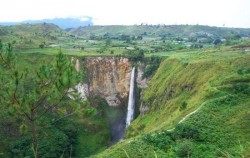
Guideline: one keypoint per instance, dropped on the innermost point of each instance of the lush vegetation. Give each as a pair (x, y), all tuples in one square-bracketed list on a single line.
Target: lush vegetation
[(115, 40), (214, 85), (37, 117), (196, 103)]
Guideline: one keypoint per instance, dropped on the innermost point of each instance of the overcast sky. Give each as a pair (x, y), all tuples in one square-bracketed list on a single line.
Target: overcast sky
[(231, 13)]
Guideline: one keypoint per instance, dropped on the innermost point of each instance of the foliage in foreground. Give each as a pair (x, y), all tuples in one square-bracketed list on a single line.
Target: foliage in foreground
[(30, 96)]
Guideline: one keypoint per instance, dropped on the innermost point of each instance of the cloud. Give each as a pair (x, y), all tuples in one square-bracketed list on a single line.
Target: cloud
[(207, 12)]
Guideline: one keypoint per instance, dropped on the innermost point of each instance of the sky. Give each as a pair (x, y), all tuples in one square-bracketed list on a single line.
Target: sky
[(229, 13)]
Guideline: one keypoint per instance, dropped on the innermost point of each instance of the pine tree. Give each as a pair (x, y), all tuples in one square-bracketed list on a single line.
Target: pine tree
[(29, 96)]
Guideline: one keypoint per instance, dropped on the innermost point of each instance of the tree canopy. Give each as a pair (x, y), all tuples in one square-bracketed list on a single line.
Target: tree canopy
[(29, 94)]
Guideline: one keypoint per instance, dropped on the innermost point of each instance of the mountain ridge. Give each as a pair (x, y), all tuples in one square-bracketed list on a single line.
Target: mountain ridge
[(64, 23)]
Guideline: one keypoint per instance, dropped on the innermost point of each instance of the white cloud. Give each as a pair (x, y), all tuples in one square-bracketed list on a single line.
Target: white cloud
[(233, 13)]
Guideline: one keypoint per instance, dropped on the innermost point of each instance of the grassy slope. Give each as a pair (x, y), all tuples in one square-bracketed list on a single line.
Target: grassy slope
[(218, 79), (32, 35)]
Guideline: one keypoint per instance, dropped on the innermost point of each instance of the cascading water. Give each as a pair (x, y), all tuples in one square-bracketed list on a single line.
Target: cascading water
[(131, 99)]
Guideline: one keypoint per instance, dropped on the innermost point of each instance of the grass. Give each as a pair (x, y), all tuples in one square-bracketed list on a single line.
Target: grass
[(218, 79), (186, 55), (197, 77)]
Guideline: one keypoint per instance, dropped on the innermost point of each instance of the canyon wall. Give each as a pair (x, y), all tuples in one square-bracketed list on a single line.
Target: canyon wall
[(109, 77)]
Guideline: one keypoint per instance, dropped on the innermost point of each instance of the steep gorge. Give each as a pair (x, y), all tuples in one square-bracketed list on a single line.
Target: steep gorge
[(194, 106), (108, 78)]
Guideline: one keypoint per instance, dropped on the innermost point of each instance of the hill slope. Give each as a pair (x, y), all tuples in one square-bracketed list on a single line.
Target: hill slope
[(182, 31), (33, 35), (211, 90)]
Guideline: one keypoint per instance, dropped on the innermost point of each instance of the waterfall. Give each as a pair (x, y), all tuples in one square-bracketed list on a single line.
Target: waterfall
[(131, 99)]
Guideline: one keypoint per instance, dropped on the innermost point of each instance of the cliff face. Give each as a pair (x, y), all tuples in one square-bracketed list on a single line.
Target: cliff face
[(109, 78)]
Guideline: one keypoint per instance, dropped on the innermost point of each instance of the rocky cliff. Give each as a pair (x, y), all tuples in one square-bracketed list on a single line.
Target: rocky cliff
[(108, 77)]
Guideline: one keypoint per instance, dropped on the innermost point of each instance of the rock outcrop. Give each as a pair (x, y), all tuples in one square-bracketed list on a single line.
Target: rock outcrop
[(141, 82), (109, 78)]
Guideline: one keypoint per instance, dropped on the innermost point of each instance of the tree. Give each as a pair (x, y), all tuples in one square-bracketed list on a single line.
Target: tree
[(135, 55), (217, 41), (139, 37), (184, 149), (29, 95), (41, 45)]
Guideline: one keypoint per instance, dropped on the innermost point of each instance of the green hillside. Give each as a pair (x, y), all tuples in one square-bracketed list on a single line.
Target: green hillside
[(156, 38), (182, 31), (33, 35), (115, 40), (210, 89), (197, 103)]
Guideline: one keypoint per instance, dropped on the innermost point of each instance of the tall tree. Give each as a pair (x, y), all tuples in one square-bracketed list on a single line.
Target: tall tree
[(30, 95)]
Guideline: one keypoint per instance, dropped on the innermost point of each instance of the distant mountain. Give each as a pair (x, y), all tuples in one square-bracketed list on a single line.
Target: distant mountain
[(64, 23)]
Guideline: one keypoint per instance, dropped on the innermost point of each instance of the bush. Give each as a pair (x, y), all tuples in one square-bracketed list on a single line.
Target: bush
[(160, 140), (183, 106), (217, 41), (241, 88), (135, 55), (21, 147), (248, 71), (240, 72), (55, 145), (186, 131), (184, 149), (51, 145), (41, 45), (153, 64)]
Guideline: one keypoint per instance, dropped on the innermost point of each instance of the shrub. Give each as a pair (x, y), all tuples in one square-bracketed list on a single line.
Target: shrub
[(160, 140), (186, 131), (217, 41), (183, 106), (153, 64), (135, 55), (248, 71), (53, 147), (240, 72), (21, 147), (41, 46), (241, 88), (184, 149)]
